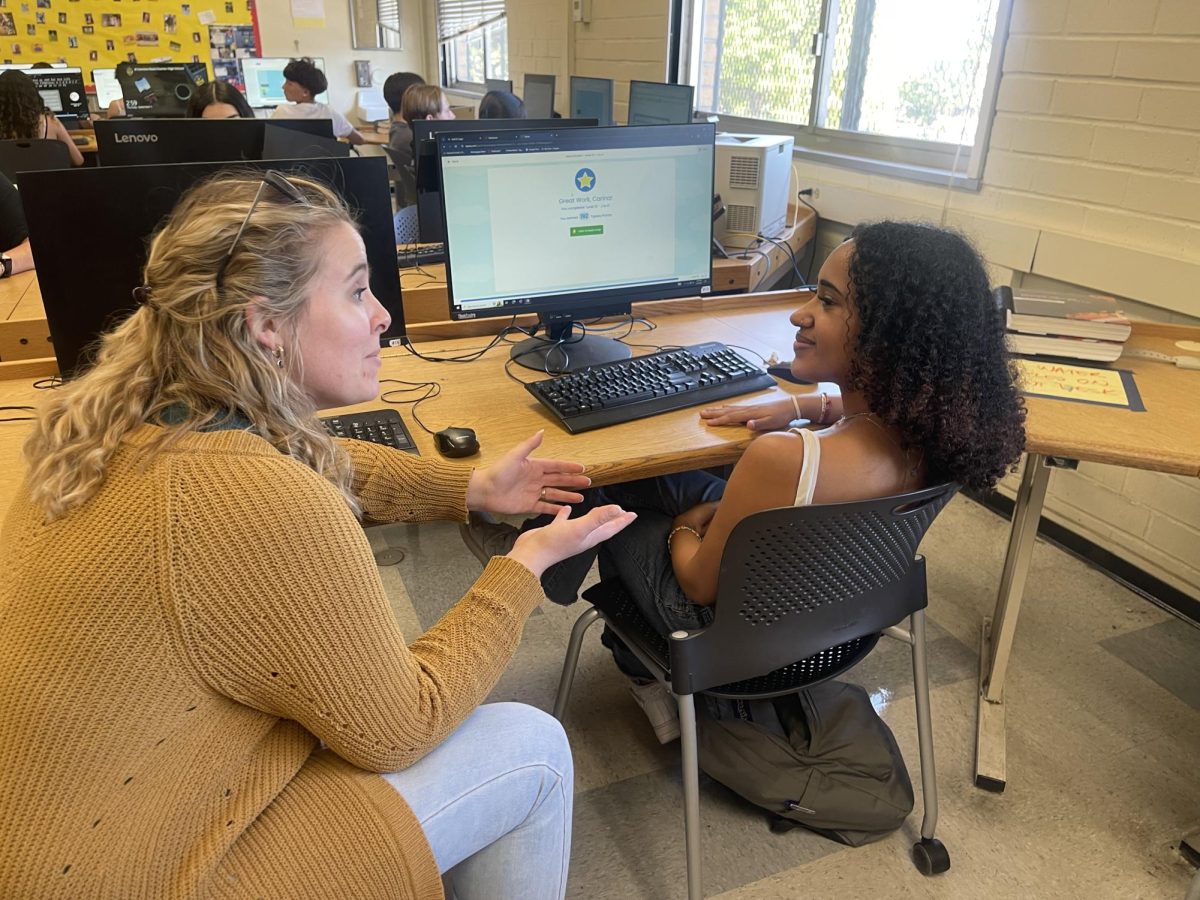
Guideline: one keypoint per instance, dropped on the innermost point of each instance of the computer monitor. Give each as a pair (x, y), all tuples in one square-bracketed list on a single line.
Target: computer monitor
[(159, 90), (297, 143), (539, 96), (61, 90), (572, 224), (498, 84), (108, 88), (89, 264), (425, 162), (264, 80), (652, 103), (143, 142), (592, 98)]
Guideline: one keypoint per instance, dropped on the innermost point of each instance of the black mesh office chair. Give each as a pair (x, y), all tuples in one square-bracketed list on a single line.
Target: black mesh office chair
[(803, 595), (33, 155)]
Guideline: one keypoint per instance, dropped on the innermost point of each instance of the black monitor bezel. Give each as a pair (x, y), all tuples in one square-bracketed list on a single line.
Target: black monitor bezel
[(176, 108), (576, 79), (195, 139), (691, 99), (590, 304), (78, 109), (550, 81)]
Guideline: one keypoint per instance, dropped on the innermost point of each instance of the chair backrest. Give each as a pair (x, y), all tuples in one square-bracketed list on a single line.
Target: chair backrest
[(32, 155), (404, 177), (798, 580)]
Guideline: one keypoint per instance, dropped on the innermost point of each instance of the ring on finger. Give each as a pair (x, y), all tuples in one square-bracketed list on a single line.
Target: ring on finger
[(542, 495)]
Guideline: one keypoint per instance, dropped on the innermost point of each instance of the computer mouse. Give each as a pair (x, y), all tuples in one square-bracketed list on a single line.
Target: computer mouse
[(456, 442)]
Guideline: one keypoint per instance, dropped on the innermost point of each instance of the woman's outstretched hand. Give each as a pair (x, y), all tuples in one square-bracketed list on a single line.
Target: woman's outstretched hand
[(772, 416), (540, 548), (517, 484)]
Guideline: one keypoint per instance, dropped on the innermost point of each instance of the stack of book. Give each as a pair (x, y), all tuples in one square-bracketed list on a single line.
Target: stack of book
[(1068, 326)]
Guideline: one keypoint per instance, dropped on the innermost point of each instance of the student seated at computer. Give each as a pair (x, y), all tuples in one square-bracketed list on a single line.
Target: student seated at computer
[(501, 105), (15, 255), (24, 117), (206, 692), (425, 101), (400, 136), (219, 100), (302, 81), (904, 322)]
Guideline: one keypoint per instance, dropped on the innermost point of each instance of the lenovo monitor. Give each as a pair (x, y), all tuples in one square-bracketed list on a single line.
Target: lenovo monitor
[(159, 90), (62, 90), (142, 142), (653, 103), (592, 98), (539, 96), (89, 264), (425, 161), (264, 80), (108, 88), (572, 224)]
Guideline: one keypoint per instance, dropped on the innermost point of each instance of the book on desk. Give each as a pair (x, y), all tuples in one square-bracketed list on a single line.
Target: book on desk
[(1069, 326)]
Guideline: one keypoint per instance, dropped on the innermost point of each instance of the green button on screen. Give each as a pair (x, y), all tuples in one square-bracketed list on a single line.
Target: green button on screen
[(580, 230)]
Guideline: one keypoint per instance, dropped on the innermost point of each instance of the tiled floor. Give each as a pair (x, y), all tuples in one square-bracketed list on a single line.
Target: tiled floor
[(1103, 742)]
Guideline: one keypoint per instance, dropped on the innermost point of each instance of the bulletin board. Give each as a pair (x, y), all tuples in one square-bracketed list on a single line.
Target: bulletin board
[(101, 33)]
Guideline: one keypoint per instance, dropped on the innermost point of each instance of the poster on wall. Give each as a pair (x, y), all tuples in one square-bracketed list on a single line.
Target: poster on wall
[(94, 34)]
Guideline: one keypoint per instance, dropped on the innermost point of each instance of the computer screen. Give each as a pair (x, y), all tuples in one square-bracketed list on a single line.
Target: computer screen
[(264, 80), (159, 90), (575, 223), (497, 84), (61, 90), (89, 264), (108, 88), (143, 142), (539, 96), (652, 103), (592, 98), (428, 176)]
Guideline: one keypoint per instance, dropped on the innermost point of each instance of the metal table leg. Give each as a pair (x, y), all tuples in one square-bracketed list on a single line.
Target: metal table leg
[(998, 630)]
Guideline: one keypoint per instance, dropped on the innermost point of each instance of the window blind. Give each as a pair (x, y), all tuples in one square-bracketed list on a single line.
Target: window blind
[(456, 16)]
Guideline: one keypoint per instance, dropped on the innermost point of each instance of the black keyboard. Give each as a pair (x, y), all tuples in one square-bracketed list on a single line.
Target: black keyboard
[(420, 255), (648, 385), (379, 426)]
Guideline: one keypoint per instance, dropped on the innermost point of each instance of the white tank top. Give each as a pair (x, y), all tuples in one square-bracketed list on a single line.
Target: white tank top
[(807, 482)]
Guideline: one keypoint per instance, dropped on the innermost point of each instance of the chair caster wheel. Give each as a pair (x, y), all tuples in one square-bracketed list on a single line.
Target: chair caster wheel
[(930, 856)]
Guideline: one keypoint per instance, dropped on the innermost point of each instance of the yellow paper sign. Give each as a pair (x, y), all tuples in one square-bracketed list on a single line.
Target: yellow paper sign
[(1068, 382)]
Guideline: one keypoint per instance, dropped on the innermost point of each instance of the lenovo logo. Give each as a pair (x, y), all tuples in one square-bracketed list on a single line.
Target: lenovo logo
[(135, 138)]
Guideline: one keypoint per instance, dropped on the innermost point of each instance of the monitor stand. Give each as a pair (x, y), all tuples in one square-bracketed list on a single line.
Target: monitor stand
[(562, 350)]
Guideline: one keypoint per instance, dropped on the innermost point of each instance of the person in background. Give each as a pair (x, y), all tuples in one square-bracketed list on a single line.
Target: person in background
[(15, 255), (219, 100), (24, 117), (400, 134), (207, 693), (425, 101), (502, 105), (302, 82)]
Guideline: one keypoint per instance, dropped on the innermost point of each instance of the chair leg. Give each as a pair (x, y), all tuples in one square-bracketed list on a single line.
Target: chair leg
[(691, 792), (571, 661), (929, 854)]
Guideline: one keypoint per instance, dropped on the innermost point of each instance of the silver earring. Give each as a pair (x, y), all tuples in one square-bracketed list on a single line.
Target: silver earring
[(279, 356)]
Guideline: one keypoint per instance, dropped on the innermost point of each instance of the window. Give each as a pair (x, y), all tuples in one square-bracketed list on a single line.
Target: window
[(885, 85), (473, 42)]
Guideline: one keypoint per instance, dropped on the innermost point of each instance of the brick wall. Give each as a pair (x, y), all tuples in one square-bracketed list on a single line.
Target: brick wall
[(625, 40), (538, 37)]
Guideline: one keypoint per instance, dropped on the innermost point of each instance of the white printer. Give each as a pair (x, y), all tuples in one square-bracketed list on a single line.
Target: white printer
[(753, 173)]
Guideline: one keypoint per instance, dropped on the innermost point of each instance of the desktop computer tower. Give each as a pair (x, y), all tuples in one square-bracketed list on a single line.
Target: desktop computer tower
[(752, 175)]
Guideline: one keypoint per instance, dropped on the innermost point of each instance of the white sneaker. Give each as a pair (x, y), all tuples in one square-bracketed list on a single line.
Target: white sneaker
[(660, 708), (485, 537)]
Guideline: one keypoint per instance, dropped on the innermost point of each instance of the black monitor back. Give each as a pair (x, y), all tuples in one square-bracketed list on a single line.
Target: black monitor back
[(428, 173), (159, 90), (88, 265), (141, 142), (297, 143), (69, 87)]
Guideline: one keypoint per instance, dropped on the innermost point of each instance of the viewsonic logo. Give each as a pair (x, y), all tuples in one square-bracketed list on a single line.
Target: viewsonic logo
[(135, 138)]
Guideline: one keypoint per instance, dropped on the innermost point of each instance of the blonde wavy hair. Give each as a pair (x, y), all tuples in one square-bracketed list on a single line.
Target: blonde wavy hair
[(188, 347)]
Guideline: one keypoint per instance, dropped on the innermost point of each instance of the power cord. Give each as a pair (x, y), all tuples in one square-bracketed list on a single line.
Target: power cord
[(812, 252), (18, 409), (431, 389)]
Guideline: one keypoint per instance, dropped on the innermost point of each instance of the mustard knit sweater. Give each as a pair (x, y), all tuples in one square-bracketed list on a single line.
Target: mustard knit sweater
[(174, 651)]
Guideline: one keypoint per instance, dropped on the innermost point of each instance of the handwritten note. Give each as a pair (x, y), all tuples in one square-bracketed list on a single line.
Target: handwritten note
[(1063, 381)]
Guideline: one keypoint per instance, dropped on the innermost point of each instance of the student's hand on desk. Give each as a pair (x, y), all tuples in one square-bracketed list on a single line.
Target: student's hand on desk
[(517, 484), (699, 517), (772, 416), (540, 548)]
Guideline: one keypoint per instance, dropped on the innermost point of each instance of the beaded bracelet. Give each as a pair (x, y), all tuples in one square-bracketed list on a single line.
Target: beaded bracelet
[(679, 528)]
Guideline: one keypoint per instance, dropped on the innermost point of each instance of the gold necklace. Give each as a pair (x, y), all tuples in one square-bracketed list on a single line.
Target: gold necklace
[(870, 418)]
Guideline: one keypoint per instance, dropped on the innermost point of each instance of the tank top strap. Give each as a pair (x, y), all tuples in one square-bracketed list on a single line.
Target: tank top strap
[(806, 485)]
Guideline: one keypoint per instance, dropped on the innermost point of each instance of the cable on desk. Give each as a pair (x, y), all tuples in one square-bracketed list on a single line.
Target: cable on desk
[(471, 355), (792, 254), (812, 252), (48, 384), (5, 409), (431, 389)]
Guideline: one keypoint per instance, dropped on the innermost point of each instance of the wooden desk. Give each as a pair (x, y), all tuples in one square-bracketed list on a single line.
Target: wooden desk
[(90, 146)]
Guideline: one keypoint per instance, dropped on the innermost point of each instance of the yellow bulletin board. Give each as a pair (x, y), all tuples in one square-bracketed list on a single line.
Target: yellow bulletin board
[(94, 34)]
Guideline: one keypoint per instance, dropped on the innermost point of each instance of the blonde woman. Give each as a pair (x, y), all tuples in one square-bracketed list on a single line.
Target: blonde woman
[(425, 101), (206, 693)]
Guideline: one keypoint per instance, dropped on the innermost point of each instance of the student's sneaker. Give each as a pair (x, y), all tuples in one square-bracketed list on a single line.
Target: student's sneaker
[(660, 708), (485, 537)]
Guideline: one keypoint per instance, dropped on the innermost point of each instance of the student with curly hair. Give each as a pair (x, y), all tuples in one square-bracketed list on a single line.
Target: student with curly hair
[(24, 117), (302, 82), (904, 322)]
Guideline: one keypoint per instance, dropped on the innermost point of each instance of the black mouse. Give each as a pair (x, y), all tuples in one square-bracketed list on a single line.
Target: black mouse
[(456, 442)]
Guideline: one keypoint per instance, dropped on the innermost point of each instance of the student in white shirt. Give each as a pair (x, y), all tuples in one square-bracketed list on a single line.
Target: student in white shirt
[(302, 82)]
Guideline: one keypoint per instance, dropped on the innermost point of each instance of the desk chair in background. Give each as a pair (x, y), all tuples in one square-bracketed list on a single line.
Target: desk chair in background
[(31, 156), (804, 594), (404, 179)]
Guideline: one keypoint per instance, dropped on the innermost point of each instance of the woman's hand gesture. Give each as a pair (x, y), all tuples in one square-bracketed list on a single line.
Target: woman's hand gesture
[(517, 484), (540, 548)]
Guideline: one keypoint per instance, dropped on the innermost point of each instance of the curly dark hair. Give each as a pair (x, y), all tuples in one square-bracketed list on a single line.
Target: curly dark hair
[(930, 357), (305, 73), (21, 107)]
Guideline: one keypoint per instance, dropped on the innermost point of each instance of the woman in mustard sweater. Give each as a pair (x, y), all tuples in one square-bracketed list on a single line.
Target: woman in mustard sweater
[(205, 691)]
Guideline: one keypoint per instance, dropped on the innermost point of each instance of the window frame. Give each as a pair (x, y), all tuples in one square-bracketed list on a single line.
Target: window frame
[(446, 56), (911, 159)]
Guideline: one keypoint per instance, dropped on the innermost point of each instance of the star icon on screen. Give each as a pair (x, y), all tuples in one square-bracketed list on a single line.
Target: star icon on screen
[(585, 179)]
